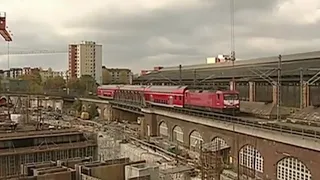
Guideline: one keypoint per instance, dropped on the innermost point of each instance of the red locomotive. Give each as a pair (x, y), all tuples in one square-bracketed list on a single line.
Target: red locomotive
[(223, 101)]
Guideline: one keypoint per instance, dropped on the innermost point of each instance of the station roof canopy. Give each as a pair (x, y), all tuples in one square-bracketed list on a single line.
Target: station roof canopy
[(240, 68)]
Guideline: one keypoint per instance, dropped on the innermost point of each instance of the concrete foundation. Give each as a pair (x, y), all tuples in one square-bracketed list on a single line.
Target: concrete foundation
[(141, 170)]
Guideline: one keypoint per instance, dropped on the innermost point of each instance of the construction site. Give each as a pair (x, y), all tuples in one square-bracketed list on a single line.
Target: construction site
[(39, 142), (25, 139), (36, 145)]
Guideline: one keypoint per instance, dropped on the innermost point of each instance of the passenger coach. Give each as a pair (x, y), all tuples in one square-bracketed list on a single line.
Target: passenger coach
[(169, 96), (130, 94), (106, 91)]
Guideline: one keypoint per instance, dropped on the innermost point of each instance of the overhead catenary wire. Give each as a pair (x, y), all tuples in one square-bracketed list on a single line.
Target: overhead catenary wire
[(232, 36), (233, 84)]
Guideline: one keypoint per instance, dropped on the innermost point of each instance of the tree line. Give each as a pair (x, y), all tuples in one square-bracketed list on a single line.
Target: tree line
[(34, 83), (86, 84)]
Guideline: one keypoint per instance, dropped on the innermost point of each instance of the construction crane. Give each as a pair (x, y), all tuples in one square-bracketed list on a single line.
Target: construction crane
[(35, 52), (232, 41), (4, 32), (7, 36)]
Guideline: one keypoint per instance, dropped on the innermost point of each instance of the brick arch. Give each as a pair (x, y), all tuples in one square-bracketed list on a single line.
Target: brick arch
[(220, 137), (174, 126), (293, 162), (251, 141), (161, 121), (227, 139), (195, 129), (190, 133), (159, 130), (249, 144), (172, 133), (247, 162)]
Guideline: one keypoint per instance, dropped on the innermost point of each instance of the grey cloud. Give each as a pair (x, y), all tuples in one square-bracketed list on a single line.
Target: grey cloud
[(193, 34), (28, 34)]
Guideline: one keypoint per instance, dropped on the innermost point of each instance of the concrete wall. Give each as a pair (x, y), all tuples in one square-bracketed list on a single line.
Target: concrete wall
[(111, 172), (86, 177), (60, 176), (141, 170)]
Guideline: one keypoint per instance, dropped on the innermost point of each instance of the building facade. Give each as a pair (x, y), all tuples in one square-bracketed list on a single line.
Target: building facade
[(85, 58), (30, 70), (49, 73), (13, 73), (116, 76)]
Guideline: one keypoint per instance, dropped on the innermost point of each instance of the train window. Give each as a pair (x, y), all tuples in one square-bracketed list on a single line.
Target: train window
[(180, 98), (175, 97), (218, 96), (231, 97)]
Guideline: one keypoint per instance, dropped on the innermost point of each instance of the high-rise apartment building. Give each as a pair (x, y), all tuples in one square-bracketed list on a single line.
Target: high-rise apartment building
[(85, 59)]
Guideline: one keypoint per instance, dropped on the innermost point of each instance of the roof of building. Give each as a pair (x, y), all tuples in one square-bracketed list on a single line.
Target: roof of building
[(242, 68), (255, 61)]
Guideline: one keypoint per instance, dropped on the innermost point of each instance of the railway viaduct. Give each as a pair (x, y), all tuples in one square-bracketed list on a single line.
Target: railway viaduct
[(262, 152)]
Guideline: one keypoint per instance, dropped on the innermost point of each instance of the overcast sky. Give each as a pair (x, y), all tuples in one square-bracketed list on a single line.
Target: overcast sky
[(140, 34)]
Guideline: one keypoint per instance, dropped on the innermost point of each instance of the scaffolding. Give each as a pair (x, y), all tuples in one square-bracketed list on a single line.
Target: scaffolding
[(109, 143), (179, 172), (212, 159), (17, 149)]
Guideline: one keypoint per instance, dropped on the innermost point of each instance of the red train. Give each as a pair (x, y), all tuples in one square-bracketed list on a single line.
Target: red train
[(223, 101)]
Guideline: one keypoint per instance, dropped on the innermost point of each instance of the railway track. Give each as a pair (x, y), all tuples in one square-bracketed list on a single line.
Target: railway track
[(290, 128)]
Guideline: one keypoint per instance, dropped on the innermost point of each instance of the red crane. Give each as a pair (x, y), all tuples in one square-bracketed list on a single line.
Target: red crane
[(3, 28)]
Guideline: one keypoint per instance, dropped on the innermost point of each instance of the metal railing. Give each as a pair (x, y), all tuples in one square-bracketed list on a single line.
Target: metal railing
[(289, 128)]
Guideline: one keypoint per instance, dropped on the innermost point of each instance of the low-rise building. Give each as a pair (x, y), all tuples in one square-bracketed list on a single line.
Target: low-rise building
[(49, 73), (30, 70), (116, 75), (13, 73)]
